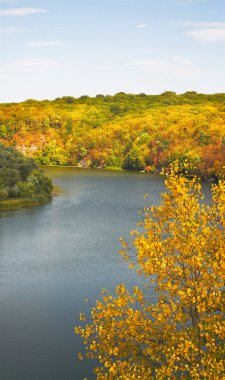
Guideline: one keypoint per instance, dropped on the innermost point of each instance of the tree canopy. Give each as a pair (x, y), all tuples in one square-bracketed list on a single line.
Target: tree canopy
[(121, 131), (20, 177), (180, 334)]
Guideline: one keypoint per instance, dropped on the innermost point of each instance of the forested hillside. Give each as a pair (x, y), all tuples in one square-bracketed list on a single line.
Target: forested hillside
[(21, 181), (135, 132)]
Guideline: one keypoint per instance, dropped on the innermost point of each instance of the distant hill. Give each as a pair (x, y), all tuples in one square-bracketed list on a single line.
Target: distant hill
[(135, 132)]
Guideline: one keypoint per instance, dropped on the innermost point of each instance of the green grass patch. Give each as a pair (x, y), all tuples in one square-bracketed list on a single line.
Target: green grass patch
[(18, 203)]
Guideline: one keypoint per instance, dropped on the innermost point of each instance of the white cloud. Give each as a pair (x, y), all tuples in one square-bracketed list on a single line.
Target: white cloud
[(11, 29), (194, 24), (40, 44), (208, 35), (179, 60), (142, 26), (21, 11), (206, 31), (176, 66), (30, 65)]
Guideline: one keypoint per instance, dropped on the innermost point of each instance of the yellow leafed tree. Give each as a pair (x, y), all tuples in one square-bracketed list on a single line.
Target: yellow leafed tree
[(181, 251)]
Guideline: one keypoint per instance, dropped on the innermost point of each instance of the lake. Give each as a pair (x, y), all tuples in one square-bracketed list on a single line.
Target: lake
[(54, 256)]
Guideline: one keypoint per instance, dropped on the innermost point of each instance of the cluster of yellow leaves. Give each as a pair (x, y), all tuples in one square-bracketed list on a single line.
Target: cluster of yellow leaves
[(181, 249)]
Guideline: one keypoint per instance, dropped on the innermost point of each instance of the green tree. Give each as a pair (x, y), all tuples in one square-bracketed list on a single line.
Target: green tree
[(20, 177), (134, 160)]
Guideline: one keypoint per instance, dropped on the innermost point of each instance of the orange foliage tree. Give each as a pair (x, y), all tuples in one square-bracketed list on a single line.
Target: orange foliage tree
[(180, 249)]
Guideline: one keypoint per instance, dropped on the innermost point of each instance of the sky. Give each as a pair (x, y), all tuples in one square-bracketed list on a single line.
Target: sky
[(54, 48)]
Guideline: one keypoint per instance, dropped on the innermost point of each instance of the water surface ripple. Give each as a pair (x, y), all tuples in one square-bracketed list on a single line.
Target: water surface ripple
[(52, 257)]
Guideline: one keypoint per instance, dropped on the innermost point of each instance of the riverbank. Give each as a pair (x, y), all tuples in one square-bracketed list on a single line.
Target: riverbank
[(111, 168), (36, 200), (18, 203)]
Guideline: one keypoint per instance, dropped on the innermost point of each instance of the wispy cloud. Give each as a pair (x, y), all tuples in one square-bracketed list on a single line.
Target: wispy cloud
[(205, 31), (11, 29), (7, 1), (40, 44), (31, 65), (142, 26), (16, 12), (196, 1), (176, 66), (194, 24), (208, 35)]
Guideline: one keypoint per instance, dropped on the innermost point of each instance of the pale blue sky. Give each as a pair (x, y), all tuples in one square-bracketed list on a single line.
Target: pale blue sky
[(53, 48)]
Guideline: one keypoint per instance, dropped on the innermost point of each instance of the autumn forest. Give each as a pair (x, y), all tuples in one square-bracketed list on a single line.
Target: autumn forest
[(124, 131)]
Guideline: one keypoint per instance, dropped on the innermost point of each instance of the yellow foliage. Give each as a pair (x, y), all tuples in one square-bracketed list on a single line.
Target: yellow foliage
[(131, 132), (182, 334)]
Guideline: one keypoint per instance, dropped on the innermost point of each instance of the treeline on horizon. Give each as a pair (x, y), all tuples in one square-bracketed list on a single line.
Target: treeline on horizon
[(134, 132)]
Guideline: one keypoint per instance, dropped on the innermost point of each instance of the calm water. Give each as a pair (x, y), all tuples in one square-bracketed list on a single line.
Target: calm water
[(52, 257)]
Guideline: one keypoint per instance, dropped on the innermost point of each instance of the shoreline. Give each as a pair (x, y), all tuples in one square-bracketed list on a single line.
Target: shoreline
[(84, 167), (35, 201), (20, 203), (115, 169)]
